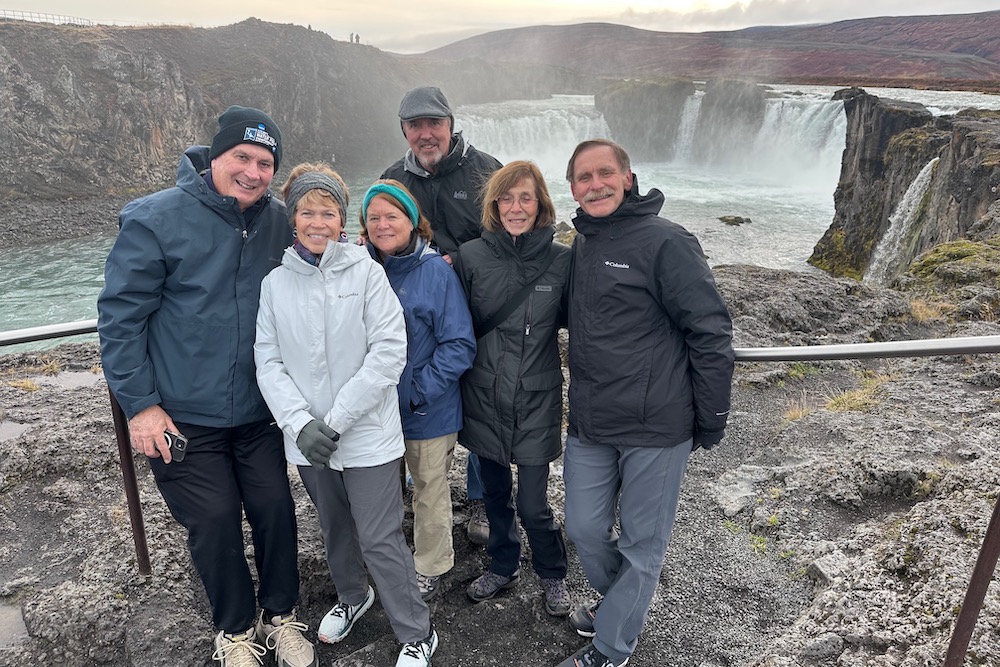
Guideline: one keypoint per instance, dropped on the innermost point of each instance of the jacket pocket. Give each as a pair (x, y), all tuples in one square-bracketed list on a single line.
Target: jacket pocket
[(478, 393), (540, 400)]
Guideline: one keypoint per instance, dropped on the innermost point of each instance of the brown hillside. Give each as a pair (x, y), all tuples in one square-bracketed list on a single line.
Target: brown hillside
[(930, 51)]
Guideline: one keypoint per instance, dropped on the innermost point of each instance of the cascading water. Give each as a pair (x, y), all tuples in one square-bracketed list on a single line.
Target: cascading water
[(686, 130), (886, 258)]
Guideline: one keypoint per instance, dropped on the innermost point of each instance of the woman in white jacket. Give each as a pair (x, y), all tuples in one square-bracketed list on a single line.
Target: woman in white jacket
[(331, 345)]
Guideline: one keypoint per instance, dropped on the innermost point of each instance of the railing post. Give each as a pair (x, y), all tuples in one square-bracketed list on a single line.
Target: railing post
[(982, 573), (131, 487)]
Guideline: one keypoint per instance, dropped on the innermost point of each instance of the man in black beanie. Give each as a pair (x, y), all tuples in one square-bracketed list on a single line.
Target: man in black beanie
[(177, 322)]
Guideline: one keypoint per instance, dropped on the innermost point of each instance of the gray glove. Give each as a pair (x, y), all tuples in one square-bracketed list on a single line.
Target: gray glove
[(317, 442)]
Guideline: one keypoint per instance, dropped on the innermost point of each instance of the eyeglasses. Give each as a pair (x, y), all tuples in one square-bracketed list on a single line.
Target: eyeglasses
[(506, 201)]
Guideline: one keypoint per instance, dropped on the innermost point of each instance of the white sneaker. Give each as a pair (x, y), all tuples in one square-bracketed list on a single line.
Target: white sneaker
[(283, 635), (337, 623), (238, 650), (418, 654)]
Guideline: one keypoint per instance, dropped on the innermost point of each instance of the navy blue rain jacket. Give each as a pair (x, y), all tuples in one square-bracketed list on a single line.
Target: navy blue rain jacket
[(440, 342), (178, 312)]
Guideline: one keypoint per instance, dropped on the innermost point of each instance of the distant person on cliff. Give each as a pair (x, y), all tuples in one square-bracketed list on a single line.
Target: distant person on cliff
[(330, 350), (445, 175), (440, 348), (177, 320), (515, 276), (651, 364)]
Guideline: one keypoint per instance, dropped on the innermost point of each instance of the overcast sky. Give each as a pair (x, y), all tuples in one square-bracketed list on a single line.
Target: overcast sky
[(415, 26)]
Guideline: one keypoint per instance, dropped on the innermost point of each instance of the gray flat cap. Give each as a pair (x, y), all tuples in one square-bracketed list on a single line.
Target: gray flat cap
[(424, 102)]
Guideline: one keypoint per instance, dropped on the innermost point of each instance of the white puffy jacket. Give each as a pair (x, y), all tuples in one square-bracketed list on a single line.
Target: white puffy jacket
[(331, 345)]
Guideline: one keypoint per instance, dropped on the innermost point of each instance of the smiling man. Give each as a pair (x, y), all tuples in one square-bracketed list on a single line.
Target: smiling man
[(445, 175), (651, 363), (177, 321)]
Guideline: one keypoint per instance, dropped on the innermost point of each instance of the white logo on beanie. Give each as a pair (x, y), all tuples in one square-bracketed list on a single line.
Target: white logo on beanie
[(259, 135)]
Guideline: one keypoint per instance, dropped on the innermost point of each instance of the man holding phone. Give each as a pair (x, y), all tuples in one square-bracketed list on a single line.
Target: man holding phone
[(177, 321)]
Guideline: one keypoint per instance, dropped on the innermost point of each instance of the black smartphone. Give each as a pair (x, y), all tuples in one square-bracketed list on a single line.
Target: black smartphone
[(178, 445)]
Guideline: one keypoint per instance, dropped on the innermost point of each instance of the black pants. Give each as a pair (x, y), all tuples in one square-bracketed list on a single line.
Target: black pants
[(548, 551), (227, 471)]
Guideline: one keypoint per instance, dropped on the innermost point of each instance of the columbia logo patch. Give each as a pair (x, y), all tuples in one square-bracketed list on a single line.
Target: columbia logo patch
[(543, 288), (616, 265)]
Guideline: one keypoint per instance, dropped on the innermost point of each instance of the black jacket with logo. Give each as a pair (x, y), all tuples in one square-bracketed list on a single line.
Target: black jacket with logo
[(450, 196), (650, 354), (512, 395)]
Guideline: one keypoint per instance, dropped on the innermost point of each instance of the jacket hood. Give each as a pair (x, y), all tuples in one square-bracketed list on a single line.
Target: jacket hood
[(400, 264), (450, 162), (632, 207), (337, 257), (193, 164)]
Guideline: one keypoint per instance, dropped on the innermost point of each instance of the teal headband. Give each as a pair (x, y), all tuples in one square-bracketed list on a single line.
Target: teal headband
[(397, 194)]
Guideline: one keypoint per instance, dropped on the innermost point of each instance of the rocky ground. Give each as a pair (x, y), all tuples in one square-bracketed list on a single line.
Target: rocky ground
[(837, 523), (27, 220)]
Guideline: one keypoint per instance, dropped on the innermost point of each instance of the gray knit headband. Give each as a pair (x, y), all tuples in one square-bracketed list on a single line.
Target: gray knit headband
[(314, 180)]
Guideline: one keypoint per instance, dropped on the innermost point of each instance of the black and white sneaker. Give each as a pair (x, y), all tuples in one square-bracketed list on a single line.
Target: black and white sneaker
[(582, 619), (337, 623), (589, 656), (418, 654)]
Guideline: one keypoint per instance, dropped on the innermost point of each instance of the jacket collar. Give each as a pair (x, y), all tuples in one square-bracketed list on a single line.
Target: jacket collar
[(450, 162), (633, 207)]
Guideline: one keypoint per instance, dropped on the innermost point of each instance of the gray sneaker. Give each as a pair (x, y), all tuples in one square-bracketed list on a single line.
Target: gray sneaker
[(238, 649), (488, 585), (478, 529), (557, 601), (582, 620), (428, 586)]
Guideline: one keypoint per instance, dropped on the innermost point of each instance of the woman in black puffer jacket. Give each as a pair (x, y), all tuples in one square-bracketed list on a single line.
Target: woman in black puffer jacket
[(515, 277)]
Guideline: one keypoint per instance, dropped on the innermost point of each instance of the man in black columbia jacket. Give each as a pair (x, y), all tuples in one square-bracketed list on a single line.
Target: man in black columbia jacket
[(651, 364)]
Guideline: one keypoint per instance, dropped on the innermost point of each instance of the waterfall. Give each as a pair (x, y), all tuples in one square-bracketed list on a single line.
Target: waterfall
[(544, 131), (689, 121), (886, 258), (801, 141)]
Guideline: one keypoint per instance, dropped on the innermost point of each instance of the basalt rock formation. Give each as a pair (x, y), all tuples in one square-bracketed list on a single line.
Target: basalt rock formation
[(98, 110), (888, 144)]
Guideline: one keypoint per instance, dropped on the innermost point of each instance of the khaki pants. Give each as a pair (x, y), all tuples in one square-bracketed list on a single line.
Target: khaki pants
[(429, 462)]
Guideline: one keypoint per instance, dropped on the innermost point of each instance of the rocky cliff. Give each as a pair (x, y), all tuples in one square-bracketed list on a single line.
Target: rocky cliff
[(93, 110), (888, 144)]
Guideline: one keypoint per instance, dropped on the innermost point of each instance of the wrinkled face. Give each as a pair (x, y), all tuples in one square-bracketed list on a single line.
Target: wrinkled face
[(244, 172), (389, 228), (429, 139), (317, 223), (518, 207), (599, 185)]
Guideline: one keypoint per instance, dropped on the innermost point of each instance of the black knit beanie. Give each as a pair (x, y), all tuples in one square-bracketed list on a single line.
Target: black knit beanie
[(245, 125)]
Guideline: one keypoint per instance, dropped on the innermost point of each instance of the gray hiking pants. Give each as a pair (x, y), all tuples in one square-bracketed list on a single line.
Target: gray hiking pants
[(643, 484)]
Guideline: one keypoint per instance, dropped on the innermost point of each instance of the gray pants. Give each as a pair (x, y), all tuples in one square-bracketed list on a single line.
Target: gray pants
[(643, 483), (361, 518)]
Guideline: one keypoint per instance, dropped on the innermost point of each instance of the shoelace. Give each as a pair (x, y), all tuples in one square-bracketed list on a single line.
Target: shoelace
[(416, 650), (294, 642), (341, 610), (234, 653)]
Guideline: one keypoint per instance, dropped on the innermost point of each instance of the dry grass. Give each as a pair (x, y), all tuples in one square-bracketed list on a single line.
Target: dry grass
[(25, 385), (800, 407), (930, 311), (864, 399)]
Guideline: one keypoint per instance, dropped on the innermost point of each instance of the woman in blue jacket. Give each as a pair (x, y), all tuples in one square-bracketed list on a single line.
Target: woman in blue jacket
[(440, 348)]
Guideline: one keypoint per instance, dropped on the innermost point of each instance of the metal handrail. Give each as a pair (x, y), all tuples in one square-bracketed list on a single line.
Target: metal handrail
[(986, 562), (898, 348)]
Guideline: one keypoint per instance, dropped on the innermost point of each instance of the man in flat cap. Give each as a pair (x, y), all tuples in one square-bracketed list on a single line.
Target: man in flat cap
[(445, 175), (177, 321)]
